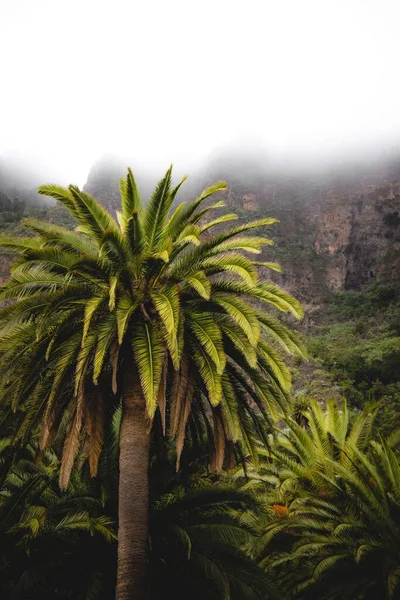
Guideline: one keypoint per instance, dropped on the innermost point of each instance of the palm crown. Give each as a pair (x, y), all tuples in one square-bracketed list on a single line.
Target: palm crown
[(145, 293)]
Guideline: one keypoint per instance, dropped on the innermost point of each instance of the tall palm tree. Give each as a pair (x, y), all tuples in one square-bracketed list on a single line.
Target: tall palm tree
[(201, 530), (152, 308)]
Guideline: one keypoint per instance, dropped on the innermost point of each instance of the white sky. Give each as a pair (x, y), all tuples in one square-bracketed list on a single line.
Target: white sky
[(170, 79)]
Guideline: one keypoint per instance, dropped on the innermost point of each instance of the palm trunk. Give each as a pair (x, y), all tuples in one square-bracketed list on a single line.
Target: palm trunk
[(133, 496)]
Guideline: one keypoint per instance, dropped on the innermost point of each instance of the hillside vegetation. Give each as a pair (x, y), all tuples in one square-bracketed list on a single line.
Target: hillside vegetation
[(358, 342)]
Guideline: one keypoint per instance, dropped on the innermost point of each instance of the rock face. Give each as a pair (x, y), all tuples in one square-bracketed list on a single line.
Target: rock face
[(360, 234), (250, 202), (103, 182), (337, 230)]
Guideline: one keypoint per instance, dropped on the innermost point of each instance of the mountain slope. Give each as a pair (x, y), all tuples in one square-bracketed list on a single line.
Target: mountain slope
[(339, 228)]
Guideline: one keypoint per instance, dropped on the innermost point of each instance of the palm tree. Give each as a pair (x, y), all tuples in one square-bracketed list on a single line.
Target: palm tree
[(153, 309), (348, 548), (45, 534), (334, 513), (300, 461), (200, 539)]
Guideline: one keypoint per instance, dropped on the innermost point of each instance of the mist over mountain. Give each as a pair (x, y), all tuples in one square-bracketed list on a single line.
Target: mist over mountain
[(339, 220), (339, 223), (20, 181)]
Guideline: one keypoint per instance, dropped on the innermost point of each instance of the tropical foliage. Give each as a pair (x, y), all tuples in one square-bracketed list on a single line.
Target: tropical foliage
[(140, 359), (47, 535), (333, 524), (199, 531)]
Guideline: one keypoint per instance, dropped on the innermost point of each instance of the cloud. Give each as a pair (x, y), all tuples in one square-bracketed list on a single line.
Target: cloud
[(169, 81)]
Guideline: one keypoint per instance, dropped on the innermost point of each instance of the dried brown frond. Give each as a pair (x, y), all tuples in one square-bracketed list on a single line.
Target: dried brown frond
[(184, 416), (47, 429), (114, 351), (178, 392), (71, 444), (161, 400), (94, 424)]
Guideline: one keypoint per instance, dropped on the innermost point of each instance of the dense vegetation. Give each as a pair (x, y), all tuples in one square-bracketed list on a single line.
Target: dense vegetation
[(272, 498), (359, 344)]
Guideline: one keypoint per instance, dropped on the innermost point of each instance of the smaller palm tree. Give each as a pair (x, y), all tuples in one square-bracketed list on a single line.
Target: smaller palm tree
[(304, 460), (200, 540), (336, 536), (47, 535)]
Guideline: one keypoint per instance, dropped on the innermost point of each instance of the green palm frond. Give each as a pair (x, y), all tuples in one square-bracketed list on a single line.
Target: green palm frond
[(200, 282), (209, 374), (130, 198), (149, 354), (157, 211), (166, 302), (184, 215), (208, 335)]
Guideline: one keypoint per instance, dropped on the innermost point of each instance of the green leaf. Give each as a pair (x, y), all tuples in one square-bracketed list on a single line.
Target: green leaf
[(164, 256), (238, 338), (166, 302), (60, 237), (63, 195), (190, 234), (19, 244), (135, 234), (209, 336), (125, 308), (91, 307), (232, 263), (241, 313), (157, 211), (209, 374), (112, 293), (200, 282), (130, 196), (222, 219), (106, 332), (187, 214), (269, 265), (149, 351), (276, 363), (91, 214)]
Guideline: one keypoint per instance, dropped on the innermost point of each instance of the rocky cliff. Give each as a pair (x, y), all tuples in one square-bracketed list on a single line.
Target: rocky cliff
[(339, 227)]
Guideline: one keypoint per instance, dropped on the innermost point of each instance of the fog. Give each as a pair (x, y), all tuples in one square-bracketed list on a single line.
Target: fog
[(156, 82)]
